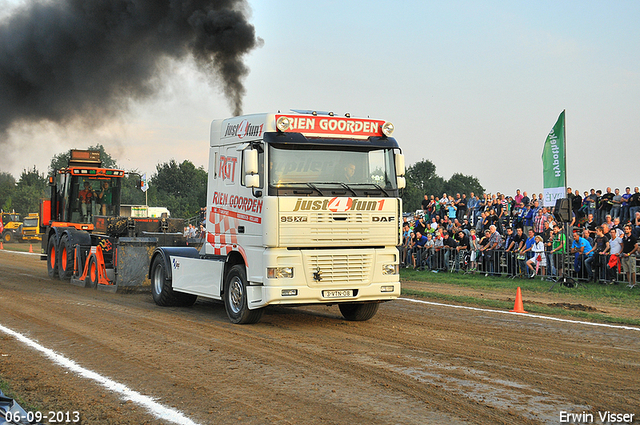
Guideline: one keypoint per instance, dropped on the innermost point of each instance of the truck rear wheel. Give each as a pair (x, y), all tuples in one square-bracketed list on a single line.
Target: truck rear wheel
[(235, 298), (52, 260), (65, 255), (162, 289), (359, 312)]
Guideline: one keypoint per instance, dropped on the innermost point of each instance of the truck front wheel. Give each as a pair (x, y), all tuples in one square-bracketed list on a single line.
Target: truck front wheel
[(162, 290), (8, 237), (235, 298), (359, 312), (52, 260)]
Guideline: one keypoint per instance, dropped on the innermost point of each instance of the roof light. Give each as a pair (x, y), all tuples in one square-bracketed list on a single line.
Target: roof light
[(283, 123), (387, 129)]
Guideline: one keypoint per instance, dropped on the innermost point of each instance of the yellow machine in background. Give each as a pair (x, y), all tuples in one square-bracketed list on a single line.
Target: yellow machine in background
[(12, 227), (31, 228)]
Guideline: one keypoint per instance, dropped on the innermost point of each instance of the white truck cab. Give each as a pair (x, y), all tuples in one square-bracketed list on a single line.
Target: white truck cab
[(302, 208)]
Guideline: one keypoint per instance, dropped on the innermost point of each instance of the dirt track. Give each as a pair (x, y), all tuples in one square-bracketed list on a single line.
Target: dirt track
[(412, 364)]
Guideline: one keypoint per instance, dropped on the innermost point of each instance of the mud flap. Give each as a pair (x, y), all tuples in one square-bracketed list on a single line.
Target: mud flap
[(132, 262), (254, 297)]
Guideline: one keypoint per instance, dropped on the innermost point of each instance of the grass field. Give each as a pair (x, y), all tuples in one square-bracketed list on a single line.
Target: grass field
[(591, 301), (22, 246)]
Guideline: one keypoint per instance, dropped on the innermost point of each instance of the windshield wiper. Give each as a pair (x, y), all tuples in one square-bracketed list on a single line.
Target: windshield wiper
[(380, 188), (311, 185), (376, 185), (343, 185), (314, 187)]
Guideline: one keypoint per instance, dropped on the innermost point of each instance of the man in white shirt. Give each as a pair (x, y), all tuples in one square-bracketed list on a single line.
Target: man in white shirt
[(614, 248)]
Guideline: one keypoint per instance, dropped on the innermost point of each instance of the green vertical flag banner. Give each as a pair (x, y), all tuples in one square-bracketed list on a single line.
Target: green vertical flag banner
[(554, 164)]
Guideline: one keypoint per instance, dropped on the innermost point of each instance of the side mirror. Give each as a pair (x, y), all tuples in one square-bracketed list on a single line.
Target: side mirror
[(250, 161), (399, 164), (252, 180), (250, 165), (402, 182)]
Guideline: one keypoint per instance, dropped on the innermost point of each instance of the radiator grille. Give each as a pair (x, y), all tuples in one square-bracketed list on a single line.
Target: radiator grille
[(354, 269)]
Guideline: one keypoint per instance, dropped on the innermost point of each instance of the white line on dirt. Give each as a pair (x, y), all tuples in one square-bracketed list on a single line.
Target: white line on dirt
[(577, 322), (20, 252), (156, 409)]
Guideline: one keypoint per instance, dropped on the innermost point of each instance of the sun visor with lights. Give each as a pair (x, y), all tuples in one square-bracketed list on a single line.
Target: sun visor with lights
[(300, 140), (98, 172), (335, 127)]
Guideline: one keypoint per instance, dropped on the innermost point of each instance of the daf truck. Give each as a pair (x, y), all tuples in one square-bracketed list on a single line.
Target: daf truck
[(302, 208)]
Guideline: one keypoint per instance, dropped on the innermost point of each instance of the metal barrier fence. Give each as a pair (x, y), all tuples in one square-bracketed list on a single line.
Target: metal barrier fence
[(513, 264)]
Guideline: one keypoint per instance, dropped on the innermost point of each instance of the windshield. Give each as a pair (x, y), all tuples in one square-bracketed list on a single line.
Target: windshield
[(30, 222), (90, 196), (317, 166), (7, 218)]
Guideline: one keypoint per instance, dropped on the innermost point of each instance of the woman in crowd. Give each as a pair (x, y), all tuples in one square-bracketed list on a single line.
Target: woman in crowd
[(539, 258)]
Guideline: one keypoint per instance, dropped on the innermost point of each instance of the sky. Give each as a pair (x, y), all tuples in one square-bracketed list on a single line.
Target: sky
[(474, 87)]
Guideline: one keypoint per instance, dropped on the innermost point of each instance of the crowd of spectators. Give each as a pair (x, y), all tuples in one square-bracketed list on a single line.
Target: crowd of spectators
[(195, 227), (516, 235), (191, 231)]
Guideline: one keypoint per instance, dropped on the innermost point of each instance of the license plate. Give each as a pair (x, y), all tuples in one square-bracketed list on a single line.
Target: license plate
[(338, 294)]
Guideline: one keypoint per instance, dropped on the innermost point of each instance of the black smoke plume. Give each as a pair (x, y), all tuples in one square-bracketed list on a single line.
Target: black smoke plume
[(63, 60)]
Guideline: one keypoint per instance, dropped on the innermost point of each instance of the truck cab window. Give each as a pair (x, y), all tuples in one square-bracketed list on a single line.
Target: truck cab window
[(317, 168)]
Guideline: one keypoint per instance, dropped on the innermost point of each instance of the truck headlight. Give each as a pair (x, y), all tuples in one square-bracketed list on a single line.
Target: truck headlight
[(283, 123), (387, 129), (388, 269), (279, 272)]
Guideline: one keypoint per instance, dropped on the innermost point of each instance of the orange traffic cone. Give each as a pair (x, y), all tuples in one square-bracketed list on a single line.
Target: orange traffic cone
[(31, 248), (1, 246), (517, 307)]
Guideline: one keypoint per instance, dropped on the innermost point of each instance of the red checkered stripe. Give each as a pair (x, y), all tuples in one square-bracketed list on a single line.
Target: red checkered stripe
[(224, 238)]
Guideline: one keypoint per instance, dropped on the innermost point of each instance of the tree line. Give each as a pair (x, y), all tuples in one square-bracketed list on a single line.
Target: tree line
[(422, 180), (182, 187)]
